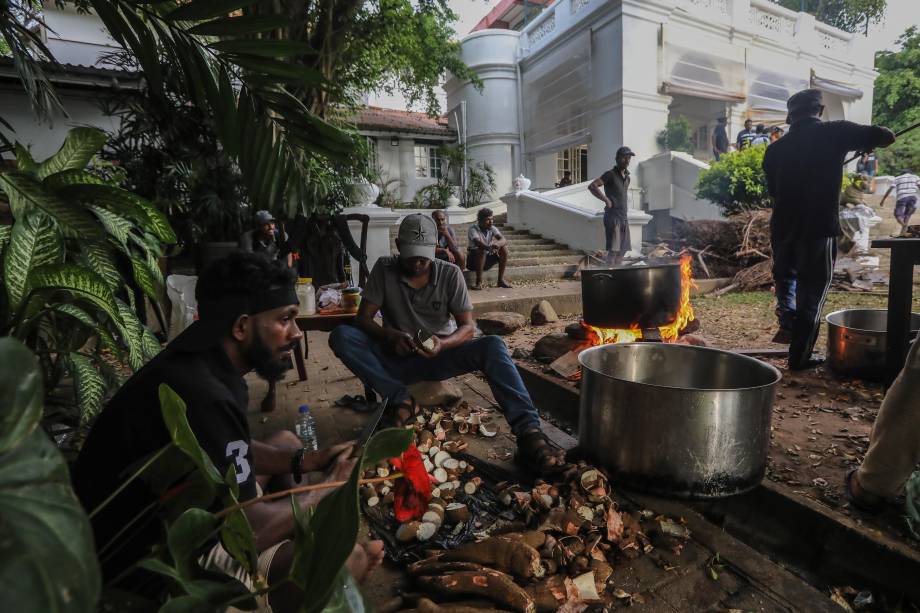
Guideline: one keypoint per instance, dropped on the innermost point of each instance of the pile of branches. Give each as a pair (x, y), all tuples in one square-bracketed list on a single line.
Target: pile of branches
[(738, 247)]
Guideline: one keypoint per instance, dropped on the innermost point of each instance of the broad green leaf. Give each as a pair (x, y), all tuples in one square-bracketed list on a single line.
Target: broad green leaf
[(77, 280), (207, 9), (125, 204), (77, 313), (66, 178), (132, 332), (174, 415), (5, 233), (88, 385), (24, 160), (149, 344), (238, 539), (386, 444), (34, 242), (159, 567), (47, 557), (118, 227), (98, 256), (144, 279), (265, 47), (186, 536), (21, 394), (238, 26), (31, 194), (79, 147)]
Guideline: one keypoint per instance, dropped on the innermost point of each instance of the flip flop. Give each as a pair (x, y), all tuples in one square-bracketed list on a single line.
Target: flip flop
[(357, 403), (869, 504)]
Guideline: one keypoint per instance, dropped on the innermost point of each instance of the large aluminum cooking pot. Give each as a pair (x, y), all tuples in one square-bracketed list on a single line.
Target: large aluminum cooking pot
[(677, 420), (856, 341), (621, 297)]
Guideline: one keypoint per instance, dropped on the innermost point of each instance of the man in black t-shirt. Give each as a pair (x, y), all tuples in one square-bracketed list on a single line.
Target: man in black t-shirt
[(615, 198), (720, 139), (247, 310), (804, 171)]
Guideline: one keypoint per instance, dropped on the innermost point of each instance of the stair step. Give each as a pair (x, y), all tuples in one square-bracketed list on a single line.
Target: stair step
[(523, 273)]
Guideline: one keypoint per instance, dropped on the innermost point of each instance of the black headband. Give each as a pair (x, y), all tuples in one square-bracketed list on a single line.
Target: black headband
[(228, 309)]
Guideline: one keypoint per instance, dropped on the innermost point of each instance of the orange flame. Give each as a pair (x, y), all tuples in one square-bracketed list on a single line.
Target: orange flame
[(669, 332)]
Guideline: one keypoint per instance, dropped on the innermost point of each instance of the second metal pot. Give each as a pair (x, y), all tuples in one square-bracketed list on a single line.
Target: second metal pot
[(857, 341), (647, 296), (677, 420)]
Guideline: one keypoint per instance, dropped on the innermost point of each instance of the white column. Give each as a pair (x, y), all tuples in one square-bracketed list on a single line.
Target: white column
[(378, 233), (406, 169)]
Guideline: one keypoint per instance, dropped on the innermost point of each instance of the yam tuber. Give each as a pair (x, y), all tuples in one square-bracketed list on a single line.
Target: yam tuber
[(492, 584), (509, 555)]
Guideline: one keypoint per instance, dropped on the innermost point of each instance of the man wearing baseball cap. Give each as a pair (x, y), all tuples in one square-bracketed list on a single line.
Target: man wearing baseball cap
[(804, 171), (419, 295), (265, 238), (615, 198)]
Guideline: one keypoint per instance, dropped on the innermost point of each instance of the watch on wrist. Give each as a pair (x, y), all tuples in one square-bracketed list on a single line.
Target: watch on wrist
[(297, 464)]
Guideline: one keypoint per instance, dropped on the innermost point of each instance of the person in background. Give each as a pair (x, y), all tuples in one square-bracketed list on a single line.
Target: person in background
[(486, 248), (416, 292), (894, 447), (804, 172), (566, 179), (905, 186), (266, 239), (760, 136), (447, 248), (615, 198), (746, 135), (867, 166), (247, 308), (719, 140), (776, 133)]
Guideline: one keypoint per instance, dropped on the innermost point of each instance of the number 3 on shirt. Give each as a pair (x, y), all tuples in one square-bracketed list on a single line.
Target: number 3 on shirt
[(238, 450)]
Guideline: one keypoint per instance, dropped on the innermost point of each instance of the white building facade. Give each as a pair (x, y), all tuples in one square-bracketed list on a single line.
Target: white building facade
[(588, 76)]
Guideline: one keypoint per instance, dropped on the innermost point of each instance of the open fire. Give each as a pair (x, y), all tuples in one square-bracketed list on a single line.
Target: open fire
[(668, 333)]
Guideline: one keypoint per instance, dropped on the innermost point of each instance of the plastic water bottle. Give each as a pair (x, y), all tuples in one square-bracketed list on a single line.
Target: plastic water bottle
[(305, 428)]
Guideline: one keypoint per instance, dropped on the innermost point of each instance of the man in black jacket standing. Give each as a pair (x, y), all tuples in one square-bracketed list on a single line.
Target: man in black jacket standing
[(804, 172)]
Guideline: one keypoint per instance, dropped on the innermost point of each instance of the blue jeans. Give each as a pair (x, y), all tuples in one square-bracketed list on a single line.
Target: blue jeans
[(388, 374), (802, 272)]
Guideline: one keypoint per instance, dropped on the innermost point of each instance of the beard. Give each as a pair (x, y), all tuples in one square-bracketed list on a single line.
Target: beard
[(262, 359)]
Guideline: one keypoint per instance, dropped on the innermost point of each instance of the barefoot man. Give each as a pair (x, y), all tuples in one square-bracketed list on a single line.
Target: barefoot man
[(247, 309)]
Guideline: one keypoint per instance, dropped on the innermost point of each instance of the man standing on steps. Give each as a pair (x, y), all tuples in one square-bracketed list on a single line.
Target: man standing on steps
[(616, 188), (804, 170), (487, 247)]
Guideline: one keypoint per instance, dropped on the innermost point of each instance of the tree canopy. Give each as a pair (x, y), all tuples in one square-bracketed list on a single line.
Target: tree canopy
[(897, 101), (848, 15)]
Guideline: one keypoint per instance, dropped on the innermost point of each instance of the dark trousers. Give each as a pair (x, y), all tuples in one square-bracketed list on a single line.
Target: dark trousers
[(389, 374), (802, 271)]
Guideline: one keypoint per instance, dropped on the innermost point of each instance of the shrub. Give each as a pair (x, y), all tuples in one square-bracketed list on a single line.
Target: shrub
[(677, 136), (736, 182)]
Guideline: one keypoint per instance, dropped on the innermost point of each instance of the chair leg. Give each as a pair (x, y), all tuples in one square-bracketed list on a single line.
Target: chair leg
[(268, 403), (369, 394), (300, 358)]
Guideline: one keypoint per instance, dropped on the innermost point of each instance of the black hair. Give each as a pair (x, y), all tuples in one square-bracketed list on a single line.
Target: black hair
[(760, 128), (236, 278), (483, 213)]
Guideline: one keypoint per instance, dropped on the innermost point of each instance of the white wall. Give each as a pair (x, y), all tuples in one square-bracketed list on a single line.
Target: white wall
[(45, 139), (75, 38)]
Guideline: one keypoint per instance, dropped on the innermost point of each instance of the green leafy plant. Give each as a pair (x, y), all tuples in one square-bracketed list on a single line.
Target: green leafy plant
[(848, 15), (79, 254), (736, 182), (896, 103), (480, 180), (677, 135)]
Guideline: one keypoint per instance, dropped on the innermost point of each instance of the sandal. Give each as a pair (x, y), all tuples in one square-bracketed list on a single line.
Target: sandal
[(403, 414), (869, 503), (503, 284), (538, 454), (476, 287)]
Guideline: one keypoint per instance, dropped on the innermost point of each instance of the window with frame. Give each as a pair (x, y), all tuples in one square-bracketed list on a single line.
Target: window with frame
[(428, 162)]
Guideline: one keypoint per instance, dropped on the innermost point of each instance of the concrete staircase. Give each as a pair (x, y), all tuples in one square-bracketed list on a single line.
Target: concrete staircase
[(531, 257)]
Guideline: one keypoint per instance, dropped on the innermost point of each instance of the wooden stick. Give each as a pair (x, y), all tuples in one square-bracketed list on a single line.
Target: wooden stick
[(302, 489)]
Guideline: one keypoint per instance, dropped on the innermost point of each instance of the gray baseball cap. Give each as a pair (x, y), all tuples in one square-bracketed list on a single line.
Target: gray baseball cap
[(417, 236), (263, 217)]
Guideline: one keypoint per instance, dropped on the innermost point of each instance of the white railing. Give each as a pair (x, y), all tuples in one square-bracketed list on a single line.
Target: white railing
[(769, 17), (719, 7), (832, 40), (543, 26), (579, 227)]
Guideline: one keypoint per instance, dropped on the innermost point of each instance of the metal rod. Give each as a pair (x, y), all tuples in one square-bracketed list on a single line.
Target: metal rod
[(896, 134)]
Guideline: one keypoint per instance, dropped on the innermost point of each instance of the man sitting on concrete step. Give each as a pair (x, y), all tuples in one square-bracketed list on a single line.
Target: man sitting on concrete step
[(418, 295)]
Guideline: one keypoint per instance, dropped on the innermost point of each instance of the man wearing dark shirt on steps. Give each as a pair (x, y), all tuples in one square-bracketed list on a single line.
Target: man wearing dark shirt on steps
[(804, 171), (615, 198)]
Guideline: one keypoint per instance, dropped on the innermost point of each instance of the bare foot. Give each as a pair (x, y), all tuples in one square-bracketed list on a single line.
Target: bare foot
[(364, 559)]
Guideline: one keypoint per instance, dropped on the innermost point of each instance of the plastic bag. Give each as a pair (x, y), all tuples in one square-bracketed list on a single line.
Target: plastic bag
[(181, 292), (855, 223)]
